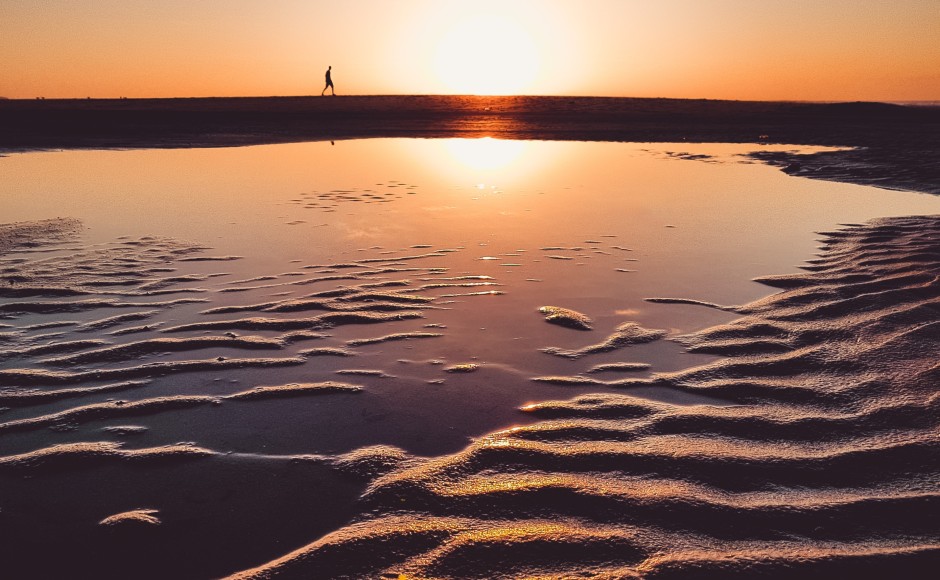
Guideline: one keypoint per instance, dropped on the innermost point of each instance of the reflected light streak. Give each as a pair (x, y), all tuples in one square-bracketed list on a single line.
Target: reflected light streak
[(485, 153)]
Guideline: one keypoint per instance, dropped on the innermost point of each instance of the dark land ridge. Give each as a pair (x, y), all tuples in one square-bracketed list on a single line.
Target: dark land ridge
[(893, 146)]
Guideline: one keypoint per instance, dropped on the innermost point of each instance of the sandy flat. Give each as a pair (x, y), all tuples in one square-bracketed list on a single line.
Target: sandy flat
[(899, 143)]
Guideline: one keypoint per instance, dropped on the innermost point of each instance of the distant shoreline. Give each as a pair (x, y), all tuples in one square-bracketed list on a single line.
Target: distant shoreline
[(897, 146)]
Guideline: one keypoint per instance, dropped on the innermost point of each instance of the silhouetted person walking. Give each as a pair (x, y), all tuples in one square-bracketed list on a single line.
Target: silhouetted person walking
[(329, 83)]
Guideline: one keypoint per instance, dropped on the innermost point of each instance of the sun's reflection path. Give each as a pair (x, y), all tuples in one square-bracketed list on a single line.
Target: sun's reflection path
[(485, 153)]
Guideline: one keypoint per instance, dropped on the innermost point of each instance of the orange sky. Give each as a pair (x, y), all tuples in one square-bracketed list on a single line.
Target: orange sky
[(737, 49)]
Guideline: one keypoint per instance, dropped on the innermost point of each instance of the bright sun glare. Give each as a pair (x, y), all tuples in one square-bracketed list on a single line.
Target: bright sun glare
[(485, 153), (487, 55)]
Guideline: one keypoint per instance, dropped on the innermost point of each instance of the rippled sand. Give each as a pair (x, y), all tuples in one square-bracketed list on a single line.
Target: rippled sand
[(158, 396), (823, 464), (112, 350)]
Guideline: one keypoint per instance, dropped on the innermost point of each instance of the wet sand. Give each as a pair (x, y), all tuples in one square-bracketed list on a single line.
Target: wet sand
[(813, 448), (895, 146), (801, 439), (825, 465)]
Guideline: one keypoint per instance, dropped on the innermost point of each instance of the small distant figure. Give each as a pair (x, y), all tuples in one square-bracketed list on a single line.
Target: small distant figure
[(329, 82)]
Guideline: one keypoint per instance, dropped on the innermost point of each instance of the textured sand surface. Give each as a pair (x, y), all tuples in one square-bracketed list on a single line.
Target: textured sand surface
[(826, 465), (321, 387)]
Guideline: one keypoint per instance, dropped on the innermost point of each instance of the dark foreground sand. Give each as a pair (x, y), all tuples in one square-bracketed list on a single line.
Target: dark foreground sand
[(897, 146)]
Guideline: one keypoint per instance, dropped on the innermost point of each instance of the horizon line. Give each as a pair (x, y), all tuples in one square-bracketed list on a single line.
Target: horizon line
[(923, 102)]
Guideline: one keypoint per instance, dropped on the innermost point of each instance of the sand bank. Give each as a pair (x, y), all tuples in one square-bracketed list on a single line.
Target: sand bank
[(899, 146)]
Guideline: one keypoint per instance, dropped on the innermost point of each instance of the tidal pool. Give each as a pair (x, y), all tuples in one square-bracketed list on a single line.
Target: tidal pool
[(380, 292), (503, 227)]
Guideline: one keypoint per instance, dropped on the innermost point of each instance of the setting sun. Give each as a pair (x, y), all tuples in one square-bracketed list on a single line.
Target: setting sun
[(734, 49), (487, 55)]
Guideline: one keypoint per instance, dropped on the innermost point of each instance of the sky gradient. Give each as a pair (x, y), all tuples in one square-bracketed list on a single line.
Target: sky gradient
[(723, 49)]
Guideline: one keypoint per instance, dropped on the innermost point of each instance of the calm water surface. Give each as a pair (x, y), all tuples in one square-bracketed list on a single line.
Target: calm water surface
[(483, 231), (595, 227)]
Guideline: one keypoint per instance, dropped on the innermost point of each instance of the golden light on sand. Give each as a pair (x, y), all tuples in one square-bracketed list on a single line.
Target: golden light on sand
[(485, 153), (487, 55)]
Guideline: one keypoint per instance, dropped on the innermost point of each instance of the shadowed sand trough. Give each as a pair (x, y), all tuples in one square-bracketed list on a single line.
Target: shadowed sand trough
[(823, 464)]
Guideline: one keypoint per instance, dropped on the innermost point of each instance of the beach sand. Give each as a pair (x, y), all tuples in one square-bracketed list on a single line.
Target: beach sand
[(894, 146), (825, 466), (801, 438), (818, 455)]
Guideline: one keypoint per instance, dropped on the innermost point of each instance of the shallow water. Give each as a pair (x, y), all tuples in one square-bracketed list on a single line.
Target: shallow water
[(461, 240)]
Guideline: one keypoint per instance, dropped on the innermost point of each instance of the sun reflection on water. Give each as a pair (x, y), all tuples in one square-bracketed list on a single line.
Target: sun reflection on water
[(485, 153)]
